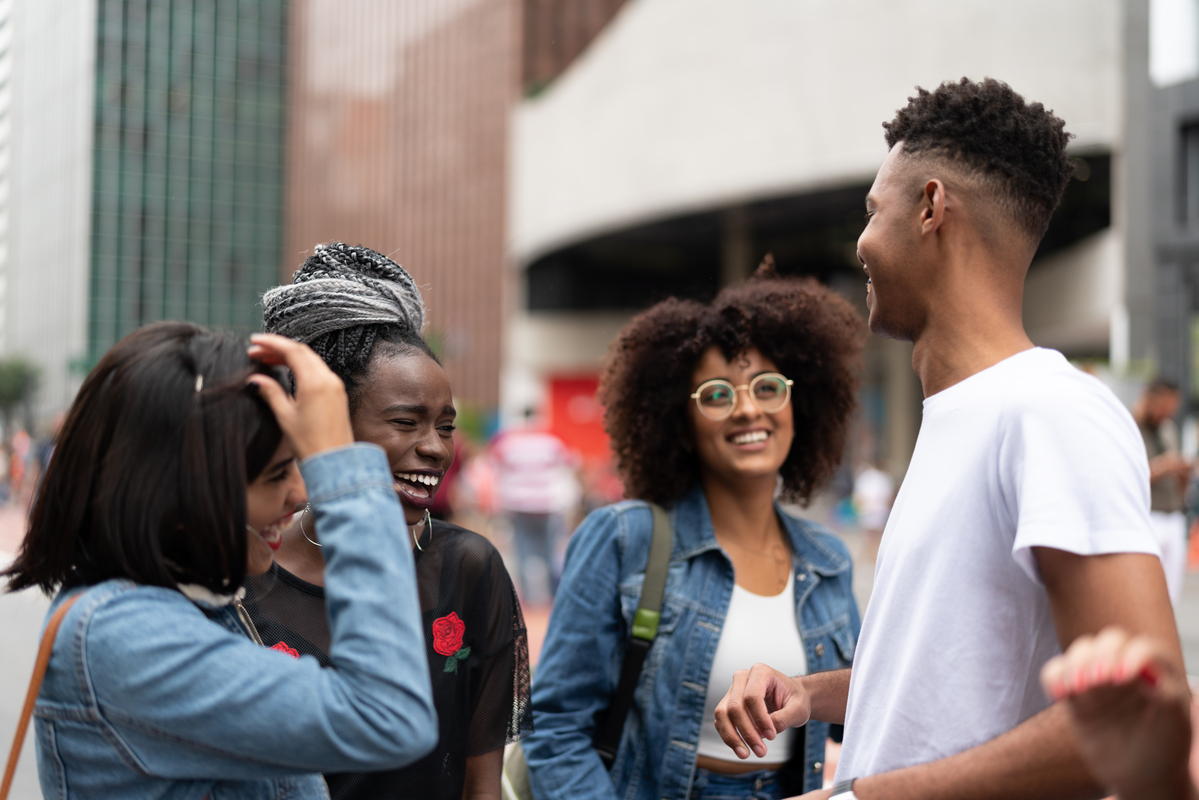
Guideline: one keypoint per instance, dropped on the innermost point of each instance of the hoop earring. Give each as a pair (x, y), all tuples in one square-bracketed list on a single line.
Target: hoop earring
[(426, 525), (307, 510)]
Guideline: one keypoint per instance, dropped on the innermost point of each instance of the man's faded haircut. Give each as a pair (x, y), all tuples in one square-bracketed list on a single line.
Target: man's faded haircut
[(988, 129)]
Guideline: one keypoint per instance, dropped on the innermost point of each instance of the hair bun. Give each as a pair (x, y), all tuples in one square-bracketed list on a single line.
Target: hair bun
[(766, 269), (342, 286)]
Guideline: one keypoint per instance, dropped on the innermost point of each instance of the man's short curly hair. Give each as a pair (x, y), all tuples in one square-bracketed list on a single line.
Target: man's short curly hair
[(988, 128), (812, 335)]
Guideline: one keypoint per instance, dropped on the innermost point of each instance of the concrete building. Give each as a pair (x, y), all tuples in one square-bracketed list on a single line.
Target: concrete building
[(173, 160), (693, 136), (398, 140), (1174, 104), (146, 177), (50, 122)]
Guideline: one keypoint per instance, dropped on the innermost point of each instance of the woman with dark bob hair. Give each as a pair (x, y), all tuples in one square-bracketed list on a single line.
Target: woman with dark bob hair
[(712, 410), (178, 465)]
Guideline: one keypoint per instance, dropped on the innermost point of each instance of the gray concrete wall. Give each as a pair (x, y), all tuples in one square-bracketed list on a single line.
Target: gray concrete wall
[(45, 305), (694, 104)]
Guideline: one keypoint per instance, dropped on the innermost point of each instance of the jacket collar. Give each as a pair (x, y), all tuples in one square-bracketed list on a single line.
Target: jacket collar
[(206, 598), (694, 534)]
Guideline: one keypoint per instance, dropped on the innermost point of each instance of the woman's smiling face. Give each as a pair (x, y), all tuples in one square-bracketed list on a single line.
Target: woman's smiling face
[(406, 407), (749, 444), (271, 499)]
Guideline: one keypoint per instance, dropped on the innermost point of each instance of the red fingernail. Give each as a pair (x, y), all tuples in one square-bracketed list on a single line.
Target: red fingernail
[(1148, 676)]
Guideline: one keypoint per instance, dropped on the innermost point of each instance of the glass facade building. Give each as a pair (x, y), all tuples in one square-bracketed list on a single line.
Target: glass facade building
[(187, 183)]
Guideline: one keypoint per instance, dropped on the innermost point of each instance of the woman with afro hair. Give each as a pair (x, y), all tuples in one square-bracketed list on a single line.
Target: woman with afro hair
[(713, 411)]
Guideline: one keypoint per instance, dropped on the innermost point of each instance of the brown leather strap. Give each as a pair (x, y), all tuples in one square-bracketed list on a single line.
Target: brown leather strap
[(35, 686)]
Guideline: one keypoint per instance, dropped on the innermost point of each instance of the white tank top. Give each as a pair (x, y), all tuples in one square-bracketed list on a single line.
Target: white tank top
[(756, 629)]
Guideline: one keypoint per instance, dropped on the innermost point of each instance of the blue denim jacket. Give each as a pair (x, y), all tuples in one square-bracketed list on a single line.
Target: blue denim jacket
[(151, 695), (584, 648)]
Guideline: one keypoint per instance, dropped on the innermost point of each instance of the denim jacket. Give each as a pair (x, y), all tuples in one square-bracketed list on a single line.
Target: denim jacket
[(151, 695), (589, 627)]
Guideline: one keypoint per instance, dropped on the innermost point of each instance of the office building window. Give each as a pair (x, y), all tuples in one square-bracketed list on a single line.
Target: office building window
[(188, 164)]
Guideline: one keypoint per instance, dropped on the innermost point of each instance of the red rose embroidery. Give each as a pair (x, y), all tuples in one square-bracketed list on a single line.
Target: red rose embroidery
[(283, 648), (447, 634)]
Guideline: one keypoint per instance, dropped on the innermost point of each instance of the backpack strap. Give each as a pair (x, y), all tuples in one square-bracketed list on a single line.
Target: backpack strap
[(645, 628), (35, 685)]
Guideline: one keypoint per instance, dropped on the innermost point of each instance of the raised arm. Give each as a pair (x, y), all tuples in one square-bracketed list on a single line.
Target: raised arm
[(1041, 758), (1131, 712), (180, 683)]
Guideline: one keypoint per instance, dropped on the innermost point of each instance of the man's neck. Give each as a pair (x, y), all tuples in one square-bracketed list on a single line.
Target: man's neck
[(950, 350)]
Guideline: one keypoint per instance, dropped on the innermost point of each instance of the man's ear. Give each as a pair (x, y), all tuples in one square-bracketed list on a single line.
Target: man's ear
[(932, 206)]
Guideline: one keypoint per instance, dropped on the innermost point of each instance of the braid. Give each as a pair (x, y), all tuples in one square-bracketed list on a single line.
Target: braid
[(343, 301)]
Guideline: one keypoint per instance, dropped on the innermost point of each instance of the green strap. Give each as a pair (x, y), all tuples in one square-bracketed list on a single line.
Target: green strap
[(649, 609)]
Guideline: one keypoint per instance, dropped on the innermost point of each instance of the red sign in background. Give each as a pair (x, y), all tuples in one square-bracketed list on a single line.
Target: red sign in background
[(577, 417)]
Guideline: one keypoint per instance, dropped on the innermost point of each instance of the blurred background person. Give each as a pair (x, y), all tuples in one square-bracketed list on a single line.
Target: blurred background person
[(536, 487), (873, 493), (1168, 474)]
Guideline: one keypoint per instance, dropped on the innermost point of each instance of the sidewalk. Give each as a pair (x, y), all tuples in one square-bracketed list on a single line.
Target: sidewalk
[(21, 616), (12, 530)]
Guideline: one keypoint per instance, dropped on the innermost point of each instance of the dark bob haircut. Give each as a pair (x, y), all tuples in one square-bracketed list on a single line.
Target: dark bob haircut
[(148, 481), (813, 336)]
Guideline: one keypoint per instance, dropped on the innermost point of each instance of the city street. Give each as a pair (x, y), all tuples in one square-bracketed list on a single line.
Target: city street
[(21, 618)]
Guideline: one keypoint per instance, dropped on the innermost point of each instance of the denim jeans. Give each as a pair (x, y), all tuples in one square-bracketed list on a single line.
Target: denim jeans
[(760, 785)]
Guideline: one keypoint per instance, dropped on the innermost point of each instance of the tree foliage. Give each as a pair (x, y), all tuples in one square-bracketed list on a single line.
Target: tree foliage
[(18, 383)]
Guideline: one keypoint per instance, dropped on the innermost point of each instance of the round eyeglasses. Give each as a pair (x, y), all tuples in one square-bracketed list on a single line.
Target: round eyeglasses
[(717, 398)]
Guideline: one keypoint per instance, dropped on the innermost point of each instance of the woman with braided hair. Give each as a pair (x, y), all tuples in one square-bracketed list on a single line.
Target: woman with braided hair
[(362, 313)]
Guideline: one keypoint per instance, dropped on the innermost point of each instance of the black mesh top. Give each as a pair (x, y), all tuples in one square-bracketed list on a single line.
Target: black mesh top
[(478, 657)]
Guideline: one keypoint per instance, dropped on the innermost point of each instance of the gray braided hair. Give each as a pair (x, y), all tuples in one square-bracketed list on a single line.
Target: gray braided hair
[(338, 287), (343, 301)]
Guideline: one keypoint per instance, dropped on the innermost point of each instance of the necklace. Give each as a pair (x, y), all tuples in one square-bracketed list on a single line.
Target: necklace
[(425, 524), (772, 553), (779, 554)]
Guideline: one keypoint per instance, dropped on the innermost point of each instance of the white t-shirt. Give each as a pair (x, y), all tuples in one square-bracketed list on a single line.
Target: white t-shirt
[(756, 629), (1030, 452)]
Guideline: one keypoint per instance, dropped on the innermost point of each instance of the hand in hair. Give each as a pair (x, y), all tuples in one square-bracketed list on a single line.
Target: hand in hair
[(1131, 713), (318, 417)]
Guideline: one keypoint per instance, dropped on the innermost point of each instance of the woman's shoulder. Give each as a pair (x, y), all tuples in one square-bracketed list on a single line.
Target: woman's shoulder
[(635, 516), (122, 595), (114, 619)]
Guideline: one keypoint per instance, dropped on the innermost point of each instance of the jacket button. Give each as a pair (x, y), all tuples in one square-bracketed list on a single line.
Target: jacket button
[(801, 577), (820, 649), (817, 766)]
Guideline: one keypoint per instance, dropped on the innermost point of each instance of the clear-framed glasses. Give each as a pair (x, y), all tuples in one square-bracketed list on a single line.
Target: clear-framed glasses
[(717, 398)]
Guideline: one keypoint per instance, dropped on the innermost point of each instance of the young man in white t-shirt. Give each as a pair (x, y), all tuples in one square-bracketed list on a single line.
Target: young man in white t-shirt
[(1023, 521)]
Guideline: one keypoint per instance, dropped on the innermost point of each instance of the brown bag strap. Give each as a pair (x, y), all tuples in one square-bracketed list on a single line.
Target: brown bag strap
[(35, 686)]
